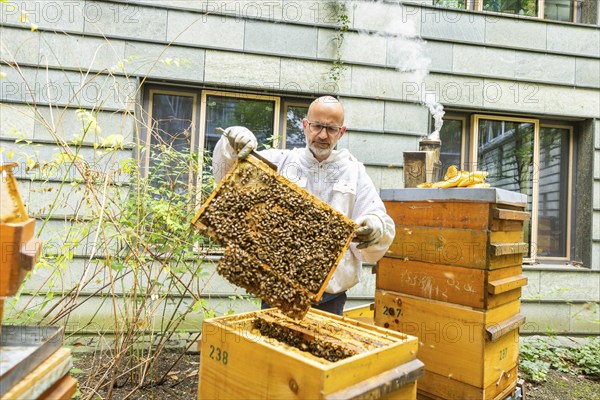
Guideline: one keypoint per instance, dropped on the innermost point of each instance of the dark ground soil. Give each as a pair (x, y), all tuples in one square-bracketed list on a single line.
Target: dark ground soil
[(182, 381), (561, 386)]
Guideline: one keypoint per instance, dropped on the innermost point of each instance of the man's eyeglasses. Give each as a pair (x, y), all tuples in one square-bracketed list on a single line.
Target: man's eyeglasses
[(316, 127)]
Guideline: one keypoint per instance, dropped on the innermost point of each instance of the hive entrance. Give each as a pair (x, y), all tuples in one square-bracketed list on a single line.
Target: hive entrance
[(283, 244)]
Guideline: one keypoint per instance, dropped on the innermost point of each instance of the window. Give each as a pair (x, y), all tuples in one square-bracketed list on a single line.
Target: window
[(518, 7), (515, 140), (554, 222), (452, 136), (179, 122), (172, 124), (558, 10), (579, 11), (293, 135), (526, 156), (223, 109)]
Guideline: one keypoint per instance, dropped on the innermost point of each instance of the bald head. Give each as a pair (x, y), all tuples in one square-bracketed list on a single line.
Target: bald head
[(329, 106), (323, 126)]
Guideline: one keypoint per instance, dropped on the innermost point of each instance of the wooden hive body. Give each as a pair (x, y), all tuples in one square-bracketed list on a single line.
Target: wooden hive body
[(237, 362), (467, 233), (464, 345), (283, 244), (453, 278), (477, 288)]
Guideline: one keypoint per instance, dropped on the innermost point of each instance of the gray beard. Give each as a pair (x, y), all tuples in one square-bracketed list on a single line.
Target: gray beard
[(321, 153)]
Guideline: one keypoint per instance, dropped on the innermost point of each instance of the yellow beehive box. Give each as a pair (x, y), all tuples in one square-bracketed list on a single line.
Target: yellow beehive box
[(478, 228), (433, 386), (471, 287), (251, 356), (463, 348)]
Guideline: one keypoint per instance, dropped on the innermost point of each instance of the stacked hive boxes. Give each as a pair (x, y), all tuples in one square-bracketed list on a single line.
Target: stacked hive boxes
[(453, 278)]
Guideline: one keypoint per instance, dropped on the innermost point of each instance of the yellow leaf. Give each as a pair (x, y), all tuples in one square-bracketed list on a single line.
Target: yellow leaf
[(10, 154), (34, 27), (2, 75), (24, 18)]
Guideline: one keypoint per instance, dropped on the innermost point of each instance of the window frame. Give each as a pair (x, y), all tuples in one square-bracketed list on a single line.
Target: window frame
[(206, 93), (477, 5), (151, 126), (538, 125), (569, 191), (198, 127), (535, 175), (463, 137), (286, 106)]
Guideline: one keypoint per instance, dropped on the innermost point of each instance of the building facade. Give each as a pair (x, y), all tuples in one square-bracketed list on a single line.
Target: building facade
[(519, 82)]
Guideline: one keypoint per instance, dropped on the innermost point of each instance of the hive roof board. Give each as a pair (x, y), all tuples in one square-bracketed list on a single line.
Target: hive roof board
[(282, 243)]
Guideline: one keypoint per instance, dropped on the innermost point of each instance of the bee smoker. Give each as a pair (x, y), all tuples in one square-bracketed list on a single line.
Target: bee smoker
[(423, 165)]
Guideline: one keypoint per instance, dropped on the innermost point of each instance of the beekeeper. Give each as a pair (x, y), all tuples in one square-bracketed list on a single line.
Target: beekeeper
[(335, 177)]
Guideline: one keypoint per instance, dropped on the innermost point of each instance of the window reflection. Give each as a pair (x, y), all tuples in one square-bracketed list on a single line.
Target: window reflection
[(224, 111), (518, 7), (451, 3), (294, 132), (553, 202), (505, 151), (558, 10), (172, 122), (451, 137)]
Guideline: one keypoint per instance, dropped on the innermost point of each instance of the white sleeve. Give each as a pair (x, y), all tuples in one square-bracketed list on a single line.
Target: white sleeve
[(369, 202)]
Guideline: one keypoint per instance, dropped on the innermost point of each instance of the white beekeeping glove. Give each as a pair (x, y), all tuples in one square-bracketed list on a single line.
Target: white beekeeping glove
[(241, 139), (370, 230)]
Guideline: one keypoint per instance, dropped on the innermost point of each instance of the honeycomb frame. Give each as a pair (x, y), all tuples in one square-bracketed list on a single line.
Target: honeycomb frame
[(282, 243)]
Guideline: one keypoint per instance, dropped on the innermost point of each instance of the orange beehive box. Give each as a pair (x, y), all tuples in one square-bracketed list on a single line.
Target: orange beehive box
[(238, 359), (471, 287), (478, 228)]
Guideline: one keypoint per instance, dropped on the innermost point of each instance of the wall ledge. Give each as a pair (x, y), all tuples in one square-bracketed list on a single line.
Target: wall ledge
[(559, 268)]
